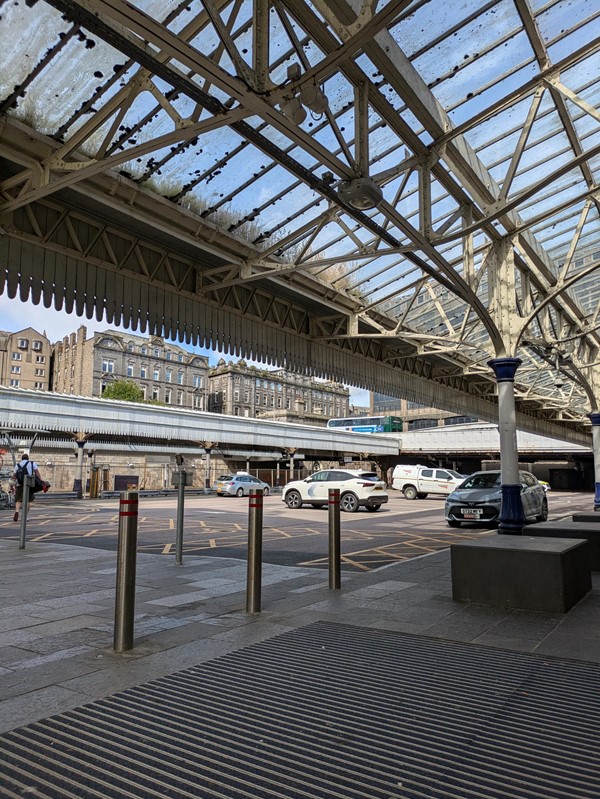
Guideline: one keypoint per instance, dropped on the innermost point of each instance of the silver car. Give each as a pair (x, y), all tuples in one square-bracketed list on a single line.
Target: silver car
[(239, 485), (479, 497)]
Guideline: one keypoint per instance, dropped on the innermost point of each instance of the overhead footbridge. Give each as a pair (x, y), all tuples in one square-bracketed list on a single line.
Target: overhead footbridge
[(61, 419)]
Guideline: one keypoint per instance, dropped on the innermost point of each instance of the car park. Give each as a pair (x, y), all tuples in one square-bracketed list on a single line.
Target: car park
[(479, 498), (358, 489), (239, 485)]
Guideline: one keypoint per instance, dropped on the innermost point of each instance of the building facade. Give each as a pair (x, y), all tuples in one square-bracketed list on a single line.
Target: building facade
[(241, 390), (25, 359), (163, 371)]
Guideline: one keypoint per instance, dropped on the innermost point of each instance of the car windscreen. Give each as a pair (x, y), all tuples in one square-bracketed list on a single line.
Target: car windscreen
[(491, 480), (368, 476)]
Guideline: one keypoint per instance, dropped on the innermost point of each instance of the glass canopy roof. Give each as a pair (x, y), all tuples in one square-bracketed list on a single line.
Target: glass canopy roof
[(388, 149)]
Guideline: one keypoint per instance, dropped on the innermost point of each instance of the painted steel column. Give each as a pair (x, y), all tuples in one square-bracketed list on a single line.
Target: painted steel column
[(512, 518), (78, 487), (208, 450), (595, 419)]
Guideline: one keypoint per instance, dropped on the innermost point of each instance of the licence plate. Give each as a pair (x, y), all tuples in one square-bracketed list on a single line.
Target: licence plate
[(377, 488), (471, 513)]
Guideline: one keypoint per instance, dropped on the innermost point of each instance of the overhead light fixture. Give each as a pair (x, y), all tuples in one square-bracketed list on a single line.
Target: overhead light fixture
[(361, 193), (292, 108), (313, 97)]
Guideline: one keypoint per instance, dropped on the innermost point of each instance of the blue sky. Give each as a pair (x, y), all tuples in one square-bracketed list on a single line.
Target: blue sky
[(16, 315)]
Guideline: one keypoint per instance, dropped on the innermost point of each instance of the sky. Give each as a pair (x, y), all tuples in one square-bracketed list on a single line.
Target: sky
[(16, 315)]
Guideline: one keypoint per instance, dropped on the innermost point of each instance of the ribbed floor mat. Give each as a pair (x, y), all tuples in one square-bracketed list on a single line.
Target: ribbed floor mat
[(330, 711)]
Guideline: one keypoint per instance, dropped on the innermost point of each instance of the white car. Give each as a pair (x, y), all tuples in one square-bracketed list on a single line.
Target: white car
[(358, 489)]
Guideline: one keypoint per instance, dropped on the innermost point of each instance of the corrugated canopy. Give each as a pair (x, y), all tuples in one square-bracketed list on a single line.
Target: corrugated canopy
[(423, 174)]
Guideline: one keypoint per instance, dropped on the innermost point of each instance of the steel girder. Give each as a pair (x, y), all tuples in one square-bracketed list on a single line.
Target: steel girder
[(437, 307)]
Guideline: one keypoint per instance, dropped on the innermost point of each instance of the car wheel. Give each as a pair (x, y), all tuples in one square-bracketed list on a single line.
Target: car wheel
[(239, 492), (293, 500), (543, 517), (410, 492), (373, 508), (265, 492), (349, 502), (452, 523)]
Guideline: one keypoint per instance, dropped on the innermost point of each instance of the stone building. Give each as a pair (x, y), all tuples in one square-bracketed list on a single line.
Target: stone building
[(164, 371), (25, 359), (241, 390)]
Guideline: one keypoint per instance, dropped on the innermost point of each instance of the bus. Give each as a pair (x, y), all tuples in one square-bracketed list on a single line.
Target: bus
[(368, 424)]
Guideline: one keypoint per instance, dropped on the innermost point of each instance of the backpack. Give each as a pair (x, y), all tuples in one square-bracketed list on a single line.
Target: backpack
[(22, 472)]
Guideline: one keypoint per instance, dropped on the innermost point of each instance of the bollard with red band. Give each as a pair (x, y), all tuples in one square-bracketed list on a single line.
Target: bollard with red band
[(335, 557), (255, 530), (126, 555)]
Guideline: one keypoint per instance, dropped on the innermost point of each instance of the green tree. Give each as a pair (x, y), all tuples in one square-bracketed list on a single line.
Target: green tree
[(123, 390)]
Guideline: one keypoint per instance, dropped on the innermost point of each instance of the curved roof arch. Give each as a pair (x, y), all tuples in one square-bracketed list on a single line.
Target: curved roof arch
[(388, 193)]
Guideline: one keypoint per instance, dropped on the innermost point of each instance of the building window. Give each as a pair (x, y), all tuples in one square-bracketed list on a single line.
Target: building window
[(40, 359), (143, 371), (16, 356), (155, 393), (130, 346), (168, 376), (197, 381), (197, 402), (279, 402), (272, 402), (168, 396), (144, 391), (108, 366), (144, 350), (129, 370), (236, 410), (180, 378), (40, 372), (36, 345), (236, 397), (156, 352), (39, 385), (180, 397), (15, 370), (246, 396), (180, 357), (256, 399), (264, 399), (156, 374), (23, 343), (288, 403), (168, 355), (15, 383)]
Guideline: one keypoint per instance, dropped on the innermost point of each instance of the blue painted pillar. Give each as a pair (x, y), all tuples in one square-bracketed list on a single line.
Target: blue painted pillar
[(512, 518), (595, 419)]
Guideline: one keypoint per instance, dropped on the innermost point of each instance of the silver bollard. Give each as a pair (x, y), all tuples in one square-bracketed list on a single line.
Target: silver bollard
[(125, 595), (335, 557), (255, 530), (179, 530), (28, 482)]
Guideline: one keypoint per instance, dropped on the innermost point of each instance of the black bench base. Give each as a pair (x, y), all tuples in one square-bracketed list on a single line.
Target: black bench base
[(529, 573), (572, 529)]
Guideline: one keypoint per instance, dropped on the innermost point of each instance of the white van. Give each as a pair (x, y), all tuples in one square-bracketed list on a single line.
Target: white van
[(416, 482)]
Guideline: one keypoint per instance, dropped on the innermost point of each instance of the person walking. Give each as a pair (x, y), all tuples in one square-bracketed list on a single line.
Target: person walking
[(25, 468)]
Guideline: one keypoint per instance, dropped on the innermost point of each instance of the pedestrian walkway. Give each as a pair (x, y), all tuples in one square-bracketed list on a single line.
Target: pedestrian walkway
[(385, 688)]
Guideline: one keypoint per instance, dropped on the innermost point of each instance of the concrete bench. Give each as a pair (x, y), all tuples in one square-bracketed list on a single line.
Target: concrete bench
[(572, 529), (525, 572), (592, 518)]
